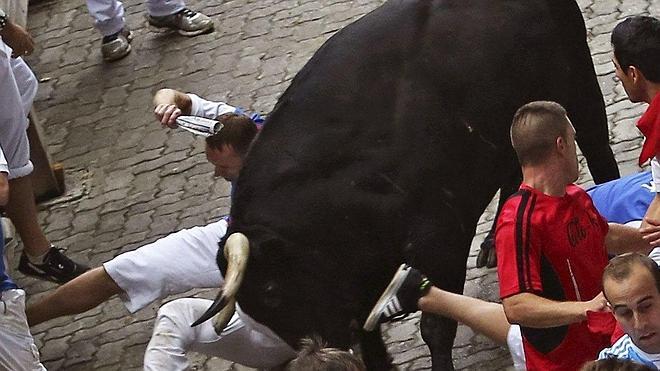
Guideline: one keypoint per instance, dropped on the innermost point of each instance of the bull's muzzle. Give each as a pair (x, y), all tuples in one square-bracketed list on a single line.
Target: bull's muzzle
[(237, 251)]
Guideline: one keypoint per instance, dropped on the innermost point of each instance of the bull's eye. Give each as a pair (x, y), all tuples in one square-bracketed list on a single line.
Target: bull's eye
[(272, 294)]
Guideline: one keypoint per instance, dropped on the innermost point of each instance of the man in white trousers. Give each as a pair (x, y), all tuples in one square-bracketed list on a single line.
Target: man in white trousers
[(110, 22), (181, 261)]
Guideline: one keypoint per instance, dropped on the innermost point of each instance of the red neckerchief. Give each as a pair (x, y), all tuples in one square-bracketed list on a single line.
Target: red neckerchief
[(649, 125)]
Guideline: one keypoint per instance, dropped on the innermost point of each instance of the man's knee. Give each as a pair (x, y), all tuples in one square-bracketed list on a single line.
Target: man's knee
[(182, 311)]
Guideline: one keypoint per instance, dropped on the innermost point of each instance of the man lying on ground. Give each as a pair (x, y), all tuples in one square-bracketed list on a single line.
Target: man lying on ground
[(183, 260)]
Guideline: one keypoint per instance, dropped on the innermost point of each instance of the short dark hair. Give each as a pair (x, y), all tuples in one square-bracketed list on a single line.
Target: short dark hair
[(535, 128), (315, 356), (238, 131), (636, 42), (620, 268), (614, 364)]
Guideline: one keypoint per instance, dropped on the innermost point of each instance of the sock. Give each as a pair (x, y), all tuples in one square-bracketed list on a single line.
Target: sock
[(37, 259)]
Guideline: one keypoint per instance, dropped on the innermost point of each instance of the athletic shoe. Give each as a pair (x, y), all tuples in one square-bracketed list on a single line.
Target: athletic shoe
[(56, 267), (399, 298), (117, 45), (186, 22)]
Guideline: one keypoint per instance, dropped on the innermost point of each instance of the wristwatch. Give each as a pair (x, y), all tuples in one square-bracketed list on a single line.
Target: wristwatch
[(3, 19)]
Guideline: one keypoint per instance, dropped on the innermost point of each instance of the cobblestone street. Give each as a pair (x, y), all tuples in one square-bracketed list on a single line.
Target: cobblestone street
[(130, 182)]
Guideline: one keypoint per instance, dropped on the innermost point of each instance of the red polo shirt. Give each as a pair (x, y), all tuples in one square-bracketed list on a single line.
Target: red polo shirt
[(649, 125)]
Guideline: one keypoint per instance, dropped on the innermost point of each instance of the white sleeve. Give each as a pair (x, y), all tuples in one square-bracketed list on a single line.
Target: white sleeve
[(4, 168), (208, 109), (655, 171)]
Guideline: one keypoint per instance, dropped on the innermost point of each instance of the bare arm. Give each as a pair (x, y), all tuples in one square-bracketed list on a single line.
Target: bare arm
[(18, 39), (170, 104), (4, 189), (622, 238), (650, 227), (531, 310)]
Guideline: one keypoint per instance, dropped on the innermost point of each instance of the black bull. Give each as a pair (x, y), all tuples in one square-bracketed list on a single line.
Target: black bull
[(388, 145)]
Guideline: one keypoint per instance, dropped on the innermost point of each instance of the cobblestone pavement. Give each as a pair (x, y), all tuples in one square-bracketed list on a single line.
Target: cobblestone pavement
[(131, 182)]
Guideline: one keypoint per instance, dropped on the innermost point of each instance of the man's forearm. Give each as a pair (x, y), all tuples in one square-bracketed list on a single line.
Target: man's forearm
[(531, 310), (621, 239), (4, 189)]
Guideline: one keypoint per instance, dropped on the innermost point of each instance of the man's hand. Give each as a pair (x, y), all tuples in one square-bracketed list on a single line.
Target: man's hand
[(18, 39), (597, 304), (650, 231), (166, 114)]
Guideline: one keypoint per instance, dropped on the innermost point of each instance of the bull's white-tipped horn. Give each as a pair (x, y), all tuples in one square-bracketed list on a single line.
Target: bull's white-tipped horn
[(237, 251)]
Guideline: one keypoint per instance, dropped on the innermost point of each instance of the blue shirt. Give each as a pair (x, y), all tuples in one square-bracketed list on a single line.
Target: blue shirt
[(626, 199)]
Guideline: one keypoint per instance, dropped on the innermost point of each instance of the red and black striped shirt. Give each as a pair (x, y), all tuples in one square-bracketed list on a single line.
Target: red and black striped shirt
[(553, 247)]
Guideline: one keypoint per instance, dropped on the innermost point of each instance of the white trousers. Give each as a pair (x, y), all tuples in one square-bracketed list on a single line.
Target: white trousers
[(17, 349), (514, 342), (175, 264), (18, 86), (109, 14), (244, 342)]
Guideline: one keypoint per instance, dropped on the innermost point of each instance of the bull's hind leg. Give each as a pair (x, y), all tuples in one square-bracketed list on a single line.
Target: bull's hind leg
[(439, 333), (441, 250)]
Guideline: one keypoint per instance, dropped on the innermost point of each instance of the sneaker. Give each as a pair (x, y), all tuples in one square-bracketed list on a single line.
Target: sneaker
[(56, 267), (399, 298), (117, 46), (186, 22)]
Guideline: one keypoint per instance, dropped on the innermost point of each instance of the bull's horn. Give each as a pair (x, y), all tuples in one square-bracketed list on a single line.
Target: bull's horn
[(223, 317), (237, 251)]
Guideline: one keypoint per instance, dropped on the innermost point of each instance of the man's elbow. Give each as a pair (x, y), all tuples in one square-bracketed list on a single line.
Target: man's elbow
[(513, 310)]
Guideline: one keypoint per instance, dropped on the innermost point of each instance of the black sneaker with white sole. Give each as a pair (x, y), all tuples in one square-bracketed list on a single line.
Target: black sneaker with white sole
[(399, 298), (56, 267)]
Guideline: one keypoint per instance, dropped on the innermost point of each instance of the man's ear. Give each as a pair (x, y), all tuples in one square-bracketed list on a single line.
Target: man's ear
[(635, 75), (560, 143)]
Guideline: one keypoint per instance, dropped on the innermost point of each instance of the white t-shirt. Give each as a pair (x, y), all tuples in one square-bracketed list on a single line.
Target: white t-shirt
[(208, 109), (4, 168), (655, 171)]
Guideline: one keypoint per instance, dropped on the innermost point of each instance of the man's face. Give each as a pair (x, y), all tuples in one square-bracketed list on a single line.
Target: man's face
[(226, 161), (626, 80), (635, 302)]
